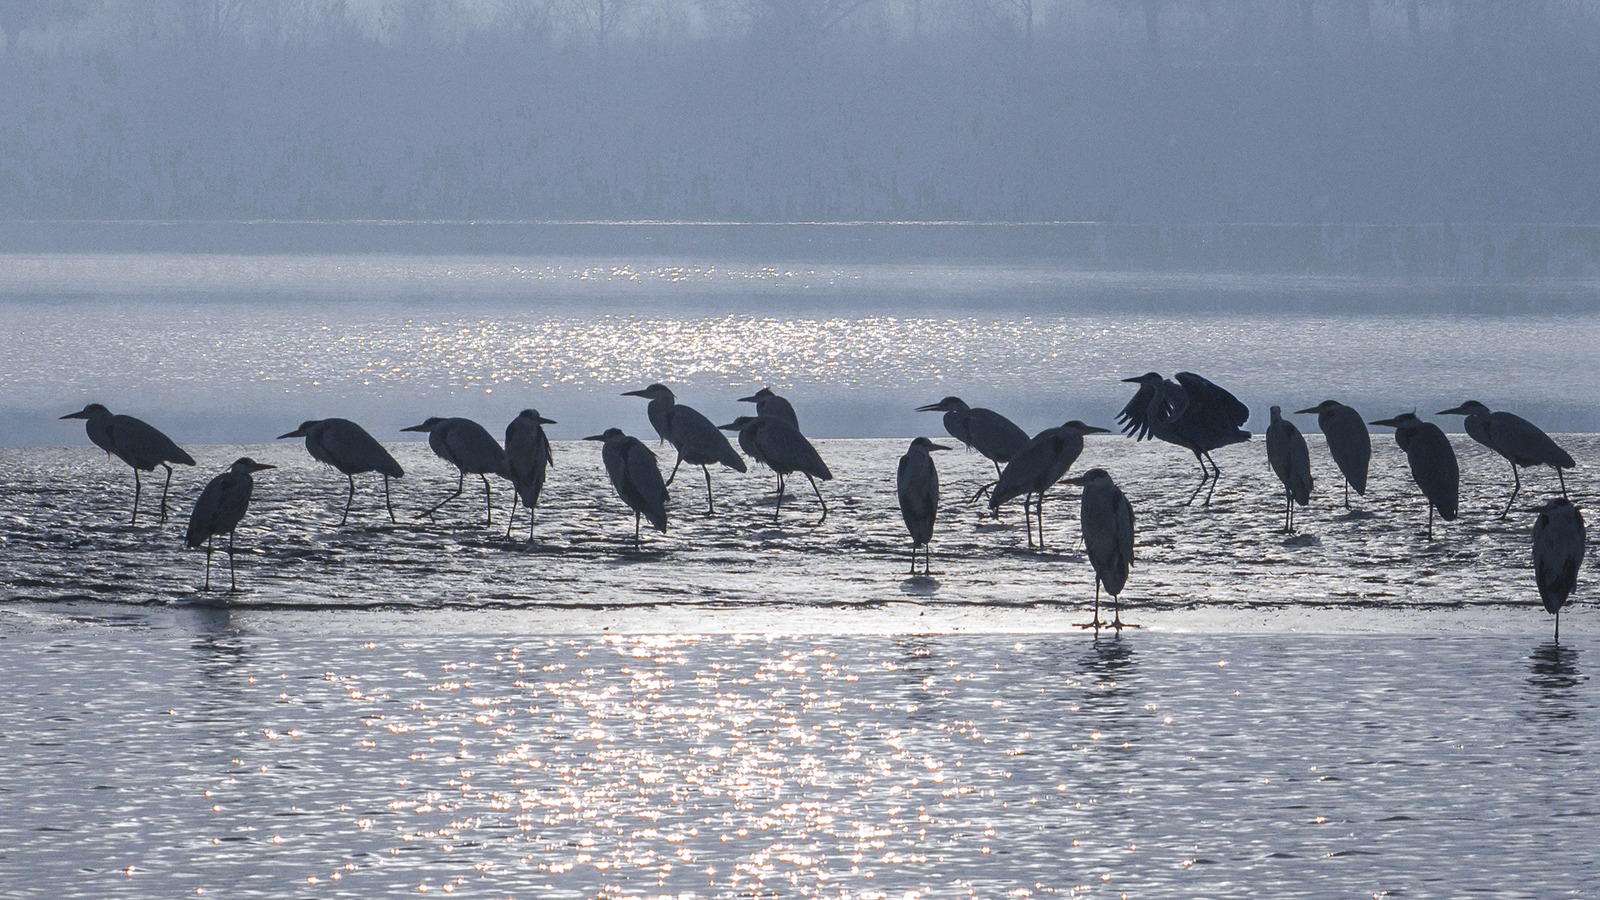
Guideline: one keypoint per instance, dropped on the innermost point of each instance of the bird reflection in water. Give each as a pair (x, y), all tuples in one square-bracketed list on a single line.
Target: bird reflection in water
[(1553, 705), (1554, 667)]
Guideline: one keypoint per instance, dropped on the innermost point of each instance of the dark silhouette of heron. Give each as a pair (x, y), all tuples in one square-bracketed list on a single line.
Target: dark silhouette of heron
[(219, 510), (1349, 443), (984, 430), (1190, 412), (773, 407), (774, 444), (1558, 545), (634, 473), (697, 441), (1521, 442), (1433, 463), (136, 443), (917, 484), (1291, 461), (348, 447), (469, 447), (527, 457), (1107, 520), (1037, 466)]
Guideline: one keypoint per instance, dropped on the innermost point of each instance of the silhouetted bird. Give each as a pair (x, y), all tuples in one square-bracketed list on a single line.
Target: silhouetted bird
[(1349, 443), (1291, 461), (348, 447), (1433, 463), (634, 473), (917, 484), (1107, 521), (697, 441), (773, 407), (774, 444), (136, 443), (984, 430), (1558, 546), (1190, 412), (1037, 466), (527, 457), (469, 447), (1521, 442), (219, 510)]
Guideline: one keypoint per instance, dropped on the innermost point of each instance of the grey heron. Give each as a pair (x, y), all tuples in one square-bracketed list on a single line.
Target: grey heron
[(1432, 461), (1521, 442), (634, 473), (984, 430), (697, 441), (1190, 412), (1107, 520), (219, 510), (1291, 462), (469, 447), (917, 485), (1349, 443), (773, 407), (348, 447), (1037, 466), (1558, 546), (527, 457), (783, 450), (136, 443)]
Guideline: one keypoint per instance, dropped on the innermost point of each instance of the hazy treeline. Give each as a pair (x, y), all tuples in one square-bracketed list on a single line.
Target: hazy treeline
[(785, 110)]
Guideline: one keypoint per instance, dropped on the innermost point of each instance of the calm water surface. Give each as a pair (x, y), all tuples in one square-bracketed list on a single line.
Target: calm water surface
[(247, 764)]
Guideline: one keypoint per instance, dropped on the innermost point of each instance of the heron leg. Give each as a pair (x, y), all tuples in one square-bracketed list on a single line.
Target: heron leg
[(136, 490), (460, 483), (1561, 478), (164, 493), (1205, 476), (1430, 520), (1558, 622), (1517, 486), (233, 580), (387, 502), (819, 498), (1096, 623), (351, 498), (1116, 616), (710, 510), (1216, 476), (488, 501), (208, 565), (1038, 514), (1347, 493), (913, 557), (675, 470), (779, 504), (636, 543), (511, 520)]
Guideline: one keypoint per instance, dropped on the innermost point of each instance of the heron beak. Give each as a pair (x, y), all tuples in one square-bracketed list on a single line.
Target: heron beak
[(1079, 481), (260, 466), (1302, 412), (1095, 429), (1134, 380), (728, 427), (80, 414), (749, 400), (1391, 423), (295, 433), (937, 447), (422, 427), (595, 437), (639, 393), (1458, 411), (543, 421)]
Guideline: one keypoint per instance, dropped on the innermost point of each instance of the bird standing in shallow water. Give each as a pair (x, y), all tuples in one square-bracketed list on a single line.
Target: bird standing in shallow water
[(469, 447), (527, 457), (984, 430), (785, 451), (1190, 412), (1521, 442), (1349, 443), (917, 486), (1039, 465), (1558, 545), (348, 447), (219, 510), (136, 443), (1432, 461), (1107, 520), (697, 441), (1291, 462), (634, 473)]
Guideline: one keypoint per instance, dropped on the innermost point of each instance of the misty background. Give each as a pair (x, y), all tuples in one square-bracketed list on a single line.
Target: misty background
[(1110, 111)]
